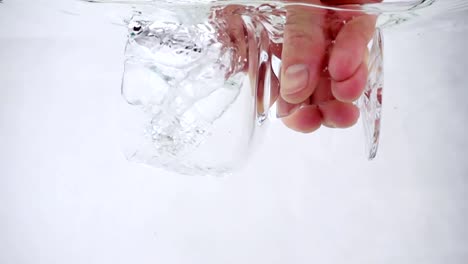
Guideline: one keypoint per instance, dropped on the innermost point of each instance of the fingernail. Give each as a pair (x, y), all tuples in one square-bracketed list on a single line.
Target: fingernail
[(295, 79)]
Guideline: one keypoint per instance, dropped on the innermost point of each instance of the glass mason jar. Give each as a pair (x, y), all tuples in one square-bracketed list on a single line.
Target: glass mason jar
[(201, 77)]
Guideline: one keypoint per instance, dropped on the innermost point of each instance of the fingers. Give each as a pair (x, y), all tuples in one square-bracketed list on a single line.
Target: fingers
[(334, 114), (351, 89), (303, 53), (306, 40), (350, 47), (306, 119), (338, 114)]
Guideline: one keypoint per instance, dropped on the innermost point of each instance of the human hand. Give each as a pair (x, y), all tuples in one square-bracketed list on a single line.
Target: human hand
[(324, 65)]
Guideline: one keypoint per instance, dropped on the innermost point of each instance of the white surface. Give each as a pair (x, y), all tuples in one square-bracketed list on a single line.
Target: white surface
[(67, 195)]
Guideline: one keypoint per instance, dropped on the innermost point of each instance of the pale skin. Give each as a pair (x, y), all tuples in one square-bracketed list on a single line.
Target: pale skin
[(324, 63), (328, 97)]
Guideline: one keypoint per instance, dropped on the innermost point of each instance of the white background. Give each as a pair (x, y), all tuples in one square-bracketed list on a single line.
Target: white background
[(67, 195)]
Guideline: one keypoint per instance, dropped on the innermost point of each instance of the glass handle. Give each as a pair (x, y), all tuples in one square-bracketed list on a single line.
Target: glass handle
[(370, 102)]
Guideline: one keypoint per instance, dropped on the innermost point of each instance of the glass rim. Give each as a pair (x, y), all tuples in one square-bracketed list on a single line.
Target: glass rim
[(372, 8)]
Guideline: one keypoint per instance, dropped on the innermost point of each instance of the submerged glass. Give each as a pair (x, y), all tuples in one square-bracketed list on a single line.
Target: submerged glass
[(202, 76)]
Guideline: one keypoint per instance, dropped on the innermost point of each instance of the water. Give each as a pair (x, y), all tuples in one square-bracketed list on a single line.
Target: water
[(183, 78), (184, 68)]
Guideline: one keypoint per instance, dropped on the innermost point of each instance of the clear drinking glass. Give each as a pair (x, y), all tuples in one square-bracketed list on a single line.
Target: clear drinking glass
[(201, 77)]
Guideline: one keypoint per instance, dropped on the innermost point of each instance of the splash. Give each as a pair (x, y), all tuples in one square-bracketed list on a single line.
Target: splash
[(183, 79), (184, 71)]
